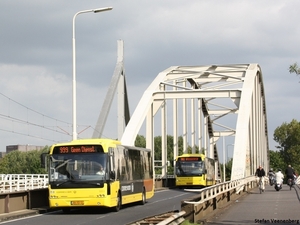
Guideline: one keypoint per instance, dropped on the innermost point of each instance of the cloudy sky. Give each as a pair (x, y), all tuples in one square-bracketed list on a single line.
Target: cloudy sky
[(36, 56)]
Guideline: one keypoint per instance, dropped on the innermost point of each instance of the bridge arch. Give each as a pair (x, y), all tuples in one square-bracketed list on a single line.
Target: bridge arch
[(203, 104)]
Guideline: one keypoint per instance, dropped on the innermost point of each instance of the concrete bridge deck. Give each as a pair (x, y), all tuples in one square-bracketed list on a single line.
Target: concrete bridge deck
[(270, 207)]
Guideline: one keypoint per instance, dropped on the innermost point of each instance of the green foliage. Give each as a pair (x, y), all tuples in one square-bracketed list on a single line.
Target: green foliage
[(17, 162), (186, 222), (140, 141), (170, 147), (276, 160), (288, 137), (294, 69), (228, 167)]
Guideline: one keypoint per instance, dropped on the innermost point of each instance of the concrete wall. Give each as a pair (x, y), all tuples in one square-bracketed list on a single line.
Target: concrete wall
[(11, 202)]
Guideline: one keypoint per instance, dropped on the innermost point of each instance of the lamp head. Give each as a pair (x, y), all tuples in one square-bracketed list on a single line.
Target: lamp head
[(102, 9)]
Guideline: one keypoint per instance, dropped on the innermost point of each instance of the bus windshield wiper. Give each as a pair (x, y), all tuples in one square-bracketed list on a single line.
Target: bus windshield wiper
[(60, 165), (66, 181), (78, 182)]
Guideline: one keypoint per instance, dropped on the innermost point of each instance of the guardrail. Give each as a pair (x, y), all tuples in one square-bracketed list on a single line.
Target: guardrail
[(209, 193), (22, 182)]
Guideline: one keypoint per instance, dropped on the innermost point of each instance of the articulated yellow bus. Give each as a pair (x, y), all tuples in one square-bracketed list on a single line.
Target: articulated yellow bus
[(98, 172), (194, 170)]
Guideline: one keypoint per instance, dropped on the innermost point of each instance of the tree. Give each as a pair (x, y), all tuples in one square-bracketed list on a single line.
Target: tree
[(276, 160), (17, 162), (228, 167), (294, 69), (288, 137), (140, 141)]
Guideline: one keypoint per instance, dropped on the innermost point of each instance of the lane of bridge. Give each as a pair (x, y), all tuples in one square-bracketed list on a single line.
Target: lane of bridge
[(270, 207), (164, 200)]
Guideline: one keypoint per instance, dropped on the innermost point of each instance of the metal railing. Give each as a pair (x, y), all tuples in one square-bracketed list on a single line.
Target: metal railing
[(213, 191), (21, 182)]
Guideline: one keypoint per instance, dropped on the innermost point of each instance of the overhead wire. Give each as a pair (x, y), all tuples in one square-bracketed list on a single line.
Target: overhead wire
[(34, 124)]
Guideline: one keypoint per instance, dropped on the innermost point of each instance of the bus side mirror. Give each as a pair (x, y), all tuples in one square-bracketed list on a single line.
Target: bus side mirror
[(112, 175), (43, 160), (172, 163)]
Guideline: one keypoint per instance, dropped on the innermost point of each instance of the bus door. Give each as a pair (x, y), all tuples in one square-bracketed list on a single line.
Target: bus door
[(210, 171), (112, 185)]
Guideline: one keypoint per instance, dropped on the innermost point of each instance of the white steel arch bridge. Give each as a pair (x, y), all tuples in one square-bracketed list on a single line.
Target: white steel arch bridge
[(206, 105)]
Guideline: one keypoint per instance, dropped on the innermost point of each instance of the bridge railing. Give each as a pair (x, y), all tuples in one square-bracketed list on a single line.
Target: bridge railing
[(213, 191), (218, 189), (22, 182)]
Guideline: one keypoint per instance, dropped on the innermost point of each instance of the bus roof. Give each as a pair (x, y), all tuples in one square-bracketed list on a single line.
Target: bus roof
[(191, 155), (98, 141), (90, 141)]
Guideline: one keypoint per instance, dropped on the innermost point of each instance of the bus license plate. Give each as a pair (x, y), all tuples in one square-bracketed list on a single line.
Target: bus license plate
[(77, 203)]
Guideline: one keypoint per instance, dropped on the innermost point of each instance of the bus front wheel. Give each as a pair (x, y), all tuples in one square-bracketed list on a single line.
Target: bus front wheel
[(119, 203), (66, 210)]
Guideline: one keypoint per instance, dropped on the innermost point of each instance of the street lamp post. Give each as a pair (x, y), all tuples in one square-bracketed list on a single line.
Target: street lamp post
[(74, 64), (224, 172)]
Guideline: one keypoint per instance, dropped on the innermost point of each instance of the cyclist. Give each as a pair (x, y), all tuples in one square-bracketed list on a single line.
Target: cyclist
[(260, 174), (271, 176), (290, 173)]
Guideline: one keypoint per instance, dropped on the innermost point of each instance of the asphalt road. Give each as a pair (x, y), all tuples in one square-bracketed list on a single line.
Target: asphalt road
[(163, 201)]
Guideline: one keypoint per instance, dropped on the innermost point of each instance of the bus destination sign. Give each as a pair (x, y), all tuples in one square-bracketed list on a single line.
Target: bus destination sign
[(189, 159), (75, 149)]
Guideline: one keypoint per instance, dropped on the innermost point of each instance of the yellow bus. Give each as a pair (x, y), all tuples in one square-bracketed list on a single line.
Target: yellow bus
[(194, 170), (98, 172)]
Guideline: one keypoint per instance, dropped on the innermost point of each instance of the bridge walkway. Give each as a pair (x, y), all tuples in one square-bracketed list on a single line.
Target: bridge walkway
[(270, 207)]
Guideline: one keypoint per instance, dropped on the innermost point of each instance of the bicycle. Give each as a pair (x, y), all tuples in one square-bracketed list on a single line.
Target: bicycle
[(290, 183), (260, 185)]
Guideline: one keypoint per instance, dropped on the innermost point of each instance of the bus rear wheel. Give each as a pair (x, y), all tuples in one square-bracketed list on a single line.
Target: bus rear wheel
[(143, 202)]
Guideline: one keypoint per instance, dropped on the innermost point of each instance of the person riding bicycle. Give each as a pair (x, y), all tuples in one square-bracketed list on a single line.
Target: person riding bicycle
[(260, 174), (279, 177), (271, 175), (290, 173), (271, 172)]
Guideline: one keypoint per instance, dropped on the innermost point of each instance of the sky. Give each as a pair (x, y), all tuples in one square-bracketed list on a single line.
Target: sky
[(36, 57)]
